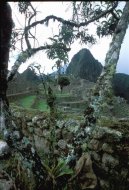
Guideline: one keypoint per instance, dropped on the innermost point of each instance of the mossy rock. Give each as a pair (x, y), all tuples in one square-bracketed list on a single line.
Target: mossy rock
[(17, 168), (121, 125)]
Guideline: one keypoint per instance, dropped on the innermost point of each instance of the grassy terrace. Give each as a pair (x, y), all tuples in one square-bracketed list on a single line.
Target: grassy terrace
[(27, 101), (42, 106), (38, 102)]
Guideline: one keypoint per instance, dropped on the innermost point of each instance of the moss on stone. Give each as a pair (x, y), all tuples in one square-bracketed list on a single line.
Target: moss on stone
[(114, 123), (20, 172)]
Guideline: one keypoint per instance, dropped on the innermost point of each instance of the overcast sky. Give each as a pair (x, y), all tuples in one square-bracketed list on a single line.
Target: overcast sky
[(63, 10)]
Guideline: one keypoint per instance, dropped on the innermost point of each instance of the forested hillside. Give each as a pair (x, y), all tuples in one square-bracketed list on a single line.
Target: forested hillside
[(121, 85)]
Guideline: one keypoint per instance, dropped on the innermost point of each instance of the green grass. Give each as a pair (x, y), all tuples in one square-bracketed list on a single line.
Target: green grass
[(31, 102), (27, 102), (42, 106)]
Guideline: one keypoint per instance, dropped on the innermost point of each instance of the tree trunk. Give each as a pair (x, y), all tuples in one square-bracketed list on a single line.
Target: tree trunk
[(21, 161), (6, 24), (103, 93)]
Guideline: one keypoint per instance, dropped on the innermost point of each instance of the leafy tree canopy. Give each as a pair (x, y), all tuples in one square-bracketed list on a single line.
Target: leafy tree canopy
[(63, 81), (104, 14)]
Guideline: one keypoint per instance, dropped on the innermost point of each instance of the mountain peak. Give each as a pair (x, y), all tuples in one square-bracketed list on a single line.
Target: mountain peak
[(85, 66)]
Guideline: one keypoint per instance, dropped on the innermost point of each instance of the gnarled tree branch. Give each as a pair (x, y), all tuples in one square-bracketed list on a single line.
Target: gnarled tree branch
[(23, 56), (70, 23), (102, 93)]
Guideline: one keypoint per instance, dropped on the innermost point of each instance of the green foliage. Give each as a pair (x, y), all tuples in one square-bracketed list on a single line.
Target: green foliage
[(23, 6), (85, 38), (107, 27), (58, 50), (57, 173), (59, 170), (66, 34), (63, 81), (84, 13), (88, 10)]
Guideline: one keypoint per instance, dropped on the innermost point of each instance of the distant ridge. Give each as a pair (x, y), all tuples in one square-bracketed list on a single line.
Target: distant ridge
[(121, 85)]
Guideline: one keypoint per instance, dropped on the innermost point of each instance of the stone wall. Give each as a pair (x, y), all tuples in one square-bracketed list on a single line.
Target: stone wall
[(107, 143), (109, 149), (82, 89), (38, 129)]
